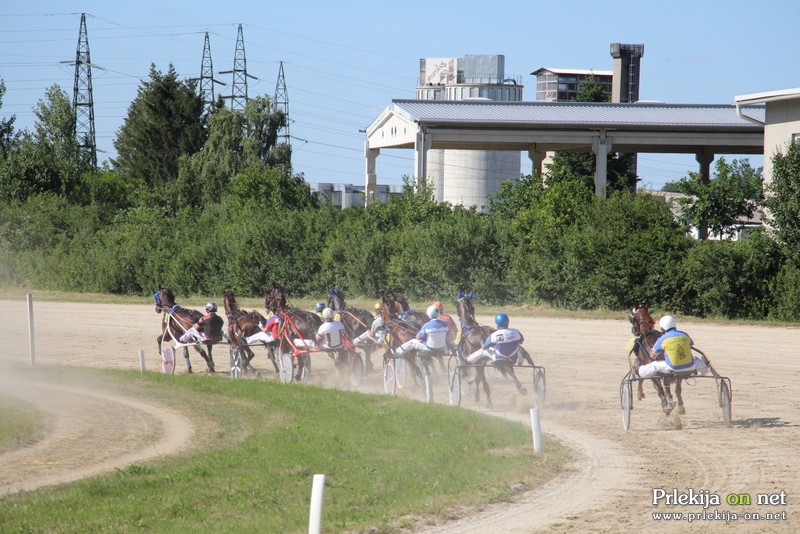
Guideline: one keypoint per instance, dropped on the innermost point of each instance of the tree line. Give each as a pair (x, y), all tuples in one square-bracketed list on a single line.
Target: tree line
[(208, 203)]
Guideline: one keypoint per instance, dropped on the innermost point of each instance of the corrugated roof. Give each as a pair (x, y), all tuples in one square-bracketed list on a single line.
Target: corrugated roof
[(589, 114)]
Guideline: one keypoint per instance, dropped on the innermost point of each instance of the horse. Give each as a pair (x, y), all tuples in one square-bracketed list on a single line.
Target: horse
[(242, 324), (643, 327), (405, 312), (398, 331), (356, 321), (471, 339), (176, 322), (295, 324)]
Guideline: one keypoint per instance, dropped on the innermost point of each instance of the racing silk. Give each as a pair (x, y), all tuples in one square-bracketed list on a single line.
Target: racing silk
[(434, 334), (272, 326), (504, 341), (331, 333), (676, 346), (211, 326), (451, 325), (377, 324)]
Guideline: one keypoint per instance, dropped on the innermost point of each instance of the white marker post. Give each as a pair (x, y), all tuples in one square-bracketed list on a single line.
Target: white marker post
[(31, 343), (315, 513), (536, 427), (141, 360)]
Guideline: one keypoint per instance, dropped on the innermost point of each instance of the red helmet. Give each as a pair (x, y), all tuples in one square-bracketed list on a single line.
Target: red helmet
[(439, 305)]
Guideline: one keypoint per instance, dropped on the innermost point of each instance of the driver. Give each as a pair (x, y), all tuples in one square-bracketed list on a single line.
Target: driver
[(432, 336), (672, 352), (502, 344), (207, 328)]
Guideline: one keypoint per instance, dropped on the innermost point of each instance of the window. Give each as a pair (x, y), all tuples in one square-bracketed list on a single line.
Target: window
[(796, 138)]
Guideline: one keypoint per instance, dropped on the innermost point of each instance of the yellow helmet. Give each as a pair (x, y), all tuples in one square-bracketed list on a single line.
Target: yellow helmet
[(377, 306)]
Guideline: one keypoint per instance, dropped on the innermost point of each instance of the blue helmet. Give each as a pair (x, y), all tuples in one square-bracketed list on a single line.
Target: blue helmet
[(501, 320), (320, 306)]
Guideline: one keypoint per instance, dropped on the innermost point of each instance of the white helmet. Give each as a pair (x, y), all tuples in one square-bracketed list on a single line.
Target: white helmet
[(667, 322), (433, 311), (211, 307), (327, 314)]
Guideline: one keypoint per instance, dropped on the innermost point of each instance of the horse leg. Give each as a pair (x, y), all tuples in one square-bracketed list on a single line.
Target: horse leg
[(668, 395), (206, 357), (367, 358), (662, 395), (481, 379), (510, 373), (188, 361), (271, 356), (678, 391)]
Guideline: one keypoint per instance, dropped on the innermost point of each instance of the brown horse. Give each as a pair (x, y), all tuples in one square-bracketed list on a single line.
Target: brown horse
[(242, 324), (471, 339), (176, 322), (356, 321), (399, 330), (405, 312), (643, 327), (295, 324)]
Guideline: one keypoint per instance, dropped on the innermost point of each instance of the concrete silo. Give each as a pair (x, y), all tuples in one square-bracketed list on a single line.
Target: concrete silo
[(467, 176)]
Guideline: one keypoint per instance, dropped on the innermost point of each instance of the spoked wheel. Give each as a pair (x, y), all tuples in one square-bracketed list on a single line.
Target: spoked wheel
[(168, 360), (285, 369), (725, 401), (305, 373), (427, 377), (454, 382), (389, 376), (236, 363), (400, 374), (626, 402), (539, 387), (356, 369)]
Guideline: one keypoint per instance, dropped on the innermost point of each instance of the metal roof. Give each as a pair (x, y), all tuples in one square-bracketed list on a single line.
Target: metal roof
[(769, 96), (581, 72), (578, 115)]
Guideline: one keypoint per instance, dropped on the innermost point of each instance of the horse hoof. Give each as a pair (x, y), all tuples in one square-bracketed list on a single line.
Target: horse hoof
[(523, 391), (681, 410), (189, 372)]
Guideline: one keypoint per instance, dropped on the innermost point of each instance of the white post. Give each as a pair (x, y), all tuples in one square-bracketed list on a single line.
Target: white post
[(536, 427), (141, 360), (30, 330), (315, 513)]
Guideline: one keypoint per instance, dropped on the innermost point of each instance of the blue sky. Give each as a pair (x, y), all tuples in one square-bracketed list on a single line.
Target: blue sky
[(345, 61)]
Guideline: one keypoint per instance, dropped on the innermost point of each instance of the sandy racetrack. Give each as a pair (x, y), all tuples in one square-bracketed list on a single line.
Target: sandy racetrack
[(609, 487)]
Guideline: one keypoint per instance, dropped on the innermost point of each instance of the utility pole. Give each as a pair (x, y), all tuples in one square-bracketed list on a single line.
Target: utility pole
[(207, 80), (281, 101), (83, 102), (238, 94)]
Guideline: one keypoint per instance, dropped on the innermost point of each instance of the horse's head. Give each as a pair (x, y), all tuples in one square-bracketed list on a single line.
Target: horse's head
[(466, 309), (229, 301), (641, 320), (275, 301), (165, 299), (401, 304), (336, 299)]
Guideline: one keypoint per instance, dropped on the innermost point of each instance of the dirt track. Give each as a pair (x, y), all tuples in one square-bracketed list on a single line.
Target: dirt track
[(609, 488)]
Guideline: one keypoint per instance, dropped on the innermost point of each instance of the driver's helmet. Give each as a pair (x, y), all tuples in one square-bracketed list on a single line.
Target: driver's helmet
[(433, 311), (327, 314), (501, 320), (667, 323), (211, 307), (439, 306), (378, 306), (320, 306)]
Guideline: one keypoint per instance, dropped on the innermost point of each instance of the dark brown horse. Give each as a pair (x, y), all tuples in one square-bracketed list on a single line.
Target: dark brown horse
[(405, 312), (176, 321), (471, 339), (399, 330), (356, 321), (295, 324), (242, 324), (643, 327)]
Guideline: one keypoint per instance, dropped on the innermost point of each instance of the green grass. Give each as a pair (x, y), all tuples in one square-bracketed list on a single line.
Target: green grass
[(20, 424), (388, 462)]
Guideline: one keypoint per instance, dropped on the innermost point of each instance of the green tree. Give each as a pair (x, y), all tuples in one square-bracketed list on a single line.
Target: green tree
[(6, 126), (783, 199), (47, 159), (580, 166), (237, 141), (722, 205), (165, 121)]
